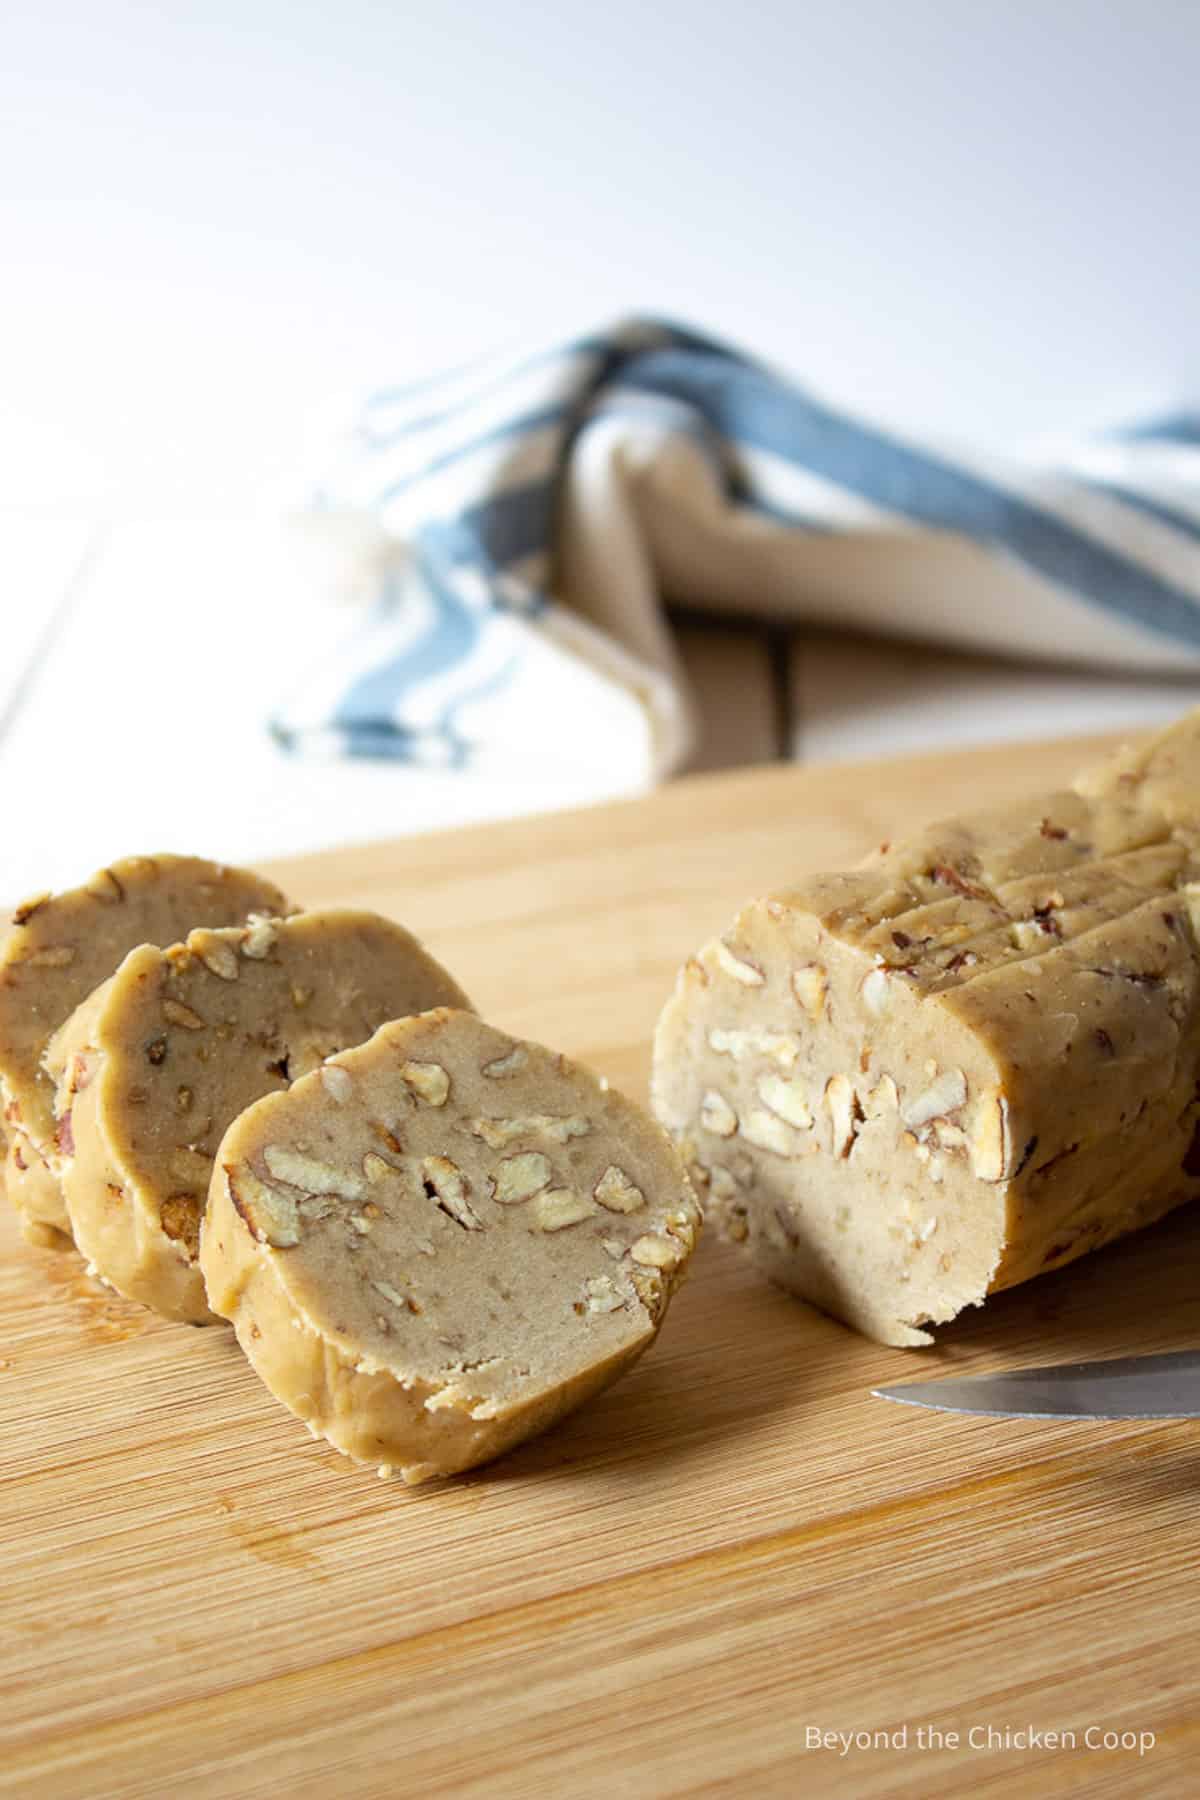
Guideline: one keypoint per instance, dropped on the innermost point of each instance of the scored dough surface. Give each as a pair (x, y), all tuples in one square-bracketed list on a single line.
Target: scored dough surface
[(973, 1058), (57, 950), (444, 1240), (153, 1066)]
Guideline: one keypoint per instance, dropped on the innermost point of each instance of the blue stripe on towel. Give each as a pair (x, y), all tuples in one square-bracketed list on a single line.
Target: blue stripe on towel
[(492, 375), (515, 523), (525, 425), (608, 351), (732, 405), (1187, 523), (495, 383), (369, 705), (518, 429), (394, 742), (367, 717), (483, 690), (1172, 428), (754, 409)]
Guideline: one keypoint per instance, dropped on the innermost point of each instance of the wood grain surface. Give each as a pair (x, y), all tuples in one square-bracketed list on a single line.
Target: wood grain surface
[(732, 1548)]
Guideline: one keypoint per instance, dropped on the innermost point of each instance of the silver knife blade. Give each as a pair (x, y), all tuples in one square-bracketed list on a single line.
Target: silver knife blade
[(1126, 1387)]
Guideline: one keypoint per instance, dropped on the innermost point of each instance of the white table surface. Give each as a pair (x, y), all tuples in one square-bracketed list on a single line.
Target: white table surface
[(143, 660), (144, 725), (224, 222)]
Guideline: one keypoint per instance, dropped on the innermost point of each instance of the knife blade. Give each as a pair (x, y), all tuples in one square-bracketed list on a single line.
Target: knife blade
[(1125, 1387)]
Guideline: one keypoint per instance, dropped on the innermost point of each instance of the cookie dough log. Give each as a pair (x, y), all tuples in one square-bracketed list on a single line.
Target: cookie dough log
[(443, 1241), (61, 946), (150, 1070), (970, 1060)]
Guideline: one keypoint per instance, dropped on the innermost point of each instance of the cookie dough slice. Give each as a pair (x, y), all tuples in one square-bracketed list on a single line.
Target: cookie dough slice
[(61, 946), (152, 1068), (972, 1059), (443, 1241)]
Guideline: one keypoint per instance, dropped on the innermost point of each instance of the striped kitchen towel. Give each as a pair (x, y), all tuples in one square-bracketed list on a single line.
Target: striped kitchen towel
[(546, 508)]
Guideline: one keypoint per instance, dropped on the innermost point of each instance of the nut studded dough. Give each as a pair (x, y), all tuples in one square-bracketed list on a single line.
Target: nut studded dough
[(972, 1059), (442, 1241), (60, 947), (151, 1069)]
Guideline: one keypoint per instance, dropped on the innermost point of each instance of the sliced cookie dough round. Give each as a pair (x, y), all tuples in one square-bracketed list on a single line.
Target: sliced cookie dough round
[(444, 1240), (151, 1069), (58, 948)]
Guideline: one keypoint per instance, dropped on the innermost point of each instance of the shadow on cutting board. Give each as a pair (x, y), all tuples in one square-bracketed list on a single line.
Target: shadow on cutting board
[(738, 1361), (737, 1355), (734, 1355), (1137, 1295)]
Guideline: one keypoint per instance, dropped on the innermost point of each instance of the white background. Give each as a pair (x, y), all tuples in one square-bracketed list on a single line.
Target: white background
[(220, 221), (220, 215)]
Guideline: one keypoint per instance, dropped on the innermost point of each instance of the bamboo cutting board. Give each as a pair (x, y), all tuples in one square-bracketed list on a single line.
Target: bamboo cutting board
[(733, 1548)]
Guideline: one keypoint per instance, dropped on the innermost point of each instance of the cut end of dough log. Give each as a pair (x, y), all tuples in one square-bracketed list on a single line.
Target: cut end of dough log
[(970, 1060)]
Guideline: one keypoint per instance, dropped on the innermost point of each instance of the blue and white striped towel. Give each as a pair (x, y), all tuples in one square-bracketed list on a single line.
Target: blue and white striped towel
[(548, 507)]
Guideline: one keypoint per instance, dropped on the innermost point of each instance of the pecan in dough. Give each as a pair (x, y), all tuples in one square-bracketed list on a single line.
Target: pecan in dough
[(973, 1058), (442, 1241), (57, 949), (151, 1069)]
